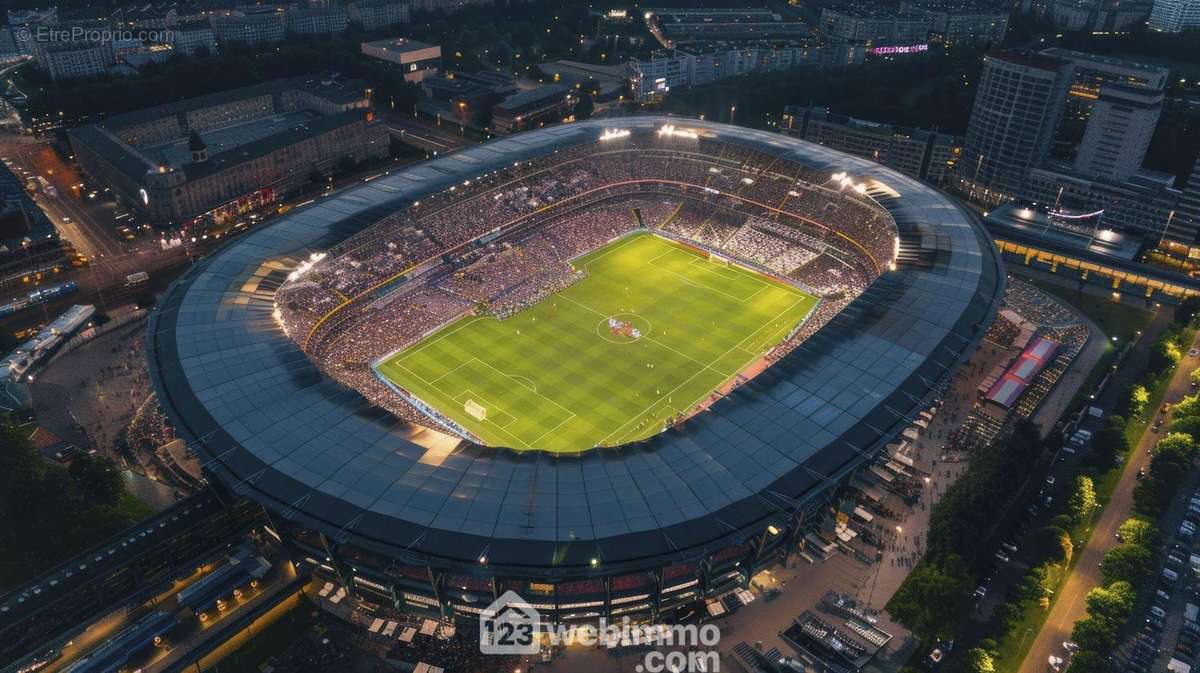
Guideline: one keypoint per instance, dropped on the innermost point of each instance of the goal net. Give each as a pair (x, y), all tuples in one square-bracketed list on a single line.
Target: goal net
[(718, 260), (477, 410)]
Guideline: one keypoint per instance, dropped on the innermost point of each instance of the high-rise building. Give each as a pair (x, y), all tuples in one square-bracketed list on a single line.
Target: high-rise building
[(1174, 16), (1017, 108), (924, 154), (1188, 208), (1118, 132)]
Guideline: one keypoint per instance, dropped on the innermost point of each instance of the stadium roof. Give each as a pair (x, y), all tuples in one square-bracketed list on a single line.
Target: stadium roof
[(271, 426)]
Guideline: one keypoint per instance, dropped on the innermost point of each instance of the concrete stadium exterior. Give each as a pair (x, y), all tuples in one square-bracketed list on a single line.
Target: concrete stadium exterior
[(411, 518)]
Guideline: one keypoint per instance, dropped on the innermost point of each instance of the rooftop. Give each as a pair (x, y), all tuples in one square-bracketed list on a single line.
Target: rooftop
[(400, 45), (1071, 55), (272, 427)]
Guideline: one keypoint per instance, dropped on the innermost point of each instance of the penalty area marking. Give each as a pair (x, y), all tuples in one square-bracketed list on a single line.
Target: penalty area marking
[(468, 394)]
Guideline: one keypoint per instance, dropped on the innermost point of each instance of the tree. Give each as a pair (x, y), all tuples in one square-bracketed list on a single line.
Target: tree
[(1052, 544), (1083, 498), (1195, 376), (1109, 442), (1113, 602), (1138, 531), (1176, 443), (1139, 399), (1126, 563), (1032, 585), (48, 513), (1188, 406), (1164, 355), (98, 480), (931, 602), (1088, 661), (1187, 310), (1188, 425), (1095, 634), (978, 660)]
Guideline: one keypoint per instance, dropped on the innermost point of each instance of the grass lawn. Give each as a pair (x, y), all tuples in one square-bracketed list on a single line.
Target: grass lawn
[(558, 376)]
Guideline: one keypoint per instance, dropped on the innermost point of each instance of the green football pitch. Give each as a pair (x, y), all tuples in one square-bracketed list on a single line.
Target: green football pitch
[(559, 376)]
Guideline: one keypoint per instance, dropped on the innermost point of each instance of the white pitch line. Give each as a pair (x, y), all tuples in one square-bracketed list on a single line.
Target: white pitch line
[(501, 373)]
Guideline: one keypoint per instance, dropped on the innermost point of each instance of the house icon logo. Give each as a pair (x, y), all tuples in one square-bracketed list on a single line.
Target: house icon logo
[(509, 625)]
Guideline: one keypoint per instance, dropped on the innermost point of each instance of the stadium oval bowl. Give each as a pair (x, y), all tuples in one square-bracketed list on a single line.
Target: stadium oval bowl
[(643, 530)]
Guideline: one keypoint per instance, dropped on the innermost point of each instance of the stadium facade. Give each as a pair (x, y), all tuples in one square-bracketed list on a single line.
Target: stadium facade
[(407, 516)]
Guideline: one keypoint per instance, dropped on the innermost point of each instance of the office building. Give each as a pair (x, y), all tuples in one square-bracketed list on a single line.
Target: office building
[(536, 107), (1118, 132), (914, 22), (1141, 204), (321, 20), (1187, 209), (250, 26), (702, 63), (1175, 16), (378, 14), (1099, 16), (1092, 71), (1017, 107), (30, 20), (192, 36), (73, 60), (682, 26), (920, 153), (220, 155), (416, 59)]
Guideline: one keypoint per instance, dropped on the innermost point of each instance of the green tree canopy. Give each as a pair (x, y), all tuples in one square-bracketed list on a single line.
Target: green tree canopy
[(1139, 399), (1083, 498), (1096, 635), (1109, 441), (1178, 443), (978, 660), (1189, 425), (1113, 602), (1128, 563), (1187, 310), (1138, 531), (932, 601), (48, 513), (1053, 544), (1164, 354), (1087, 661)]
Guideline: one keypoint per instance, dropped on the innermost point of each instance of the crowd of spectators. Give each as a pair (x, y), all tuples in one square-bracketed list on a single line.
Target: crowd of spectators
[(499, 243)]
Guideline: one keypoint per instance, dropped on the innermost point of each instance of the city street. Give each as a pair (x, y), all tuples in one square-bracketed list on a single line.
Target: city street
[(1070, 607), (88, 224), (422, 135)]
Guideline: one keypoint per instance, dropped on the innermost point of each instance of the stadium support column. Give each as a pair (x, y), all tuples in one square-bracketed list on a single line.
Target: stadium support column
[(335, 563), (608, 596), (435, 583), (658, 595)]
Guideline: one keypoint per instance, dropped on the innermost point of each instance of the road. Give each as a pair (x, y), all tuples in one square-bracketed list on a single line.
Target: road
[(88, 224), (1069, 608), (441, 140)]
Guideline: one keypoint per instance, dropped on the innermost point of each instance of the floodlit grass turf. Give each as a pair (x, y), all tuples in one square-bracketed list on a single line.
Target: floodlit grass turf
[(554, 377)]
